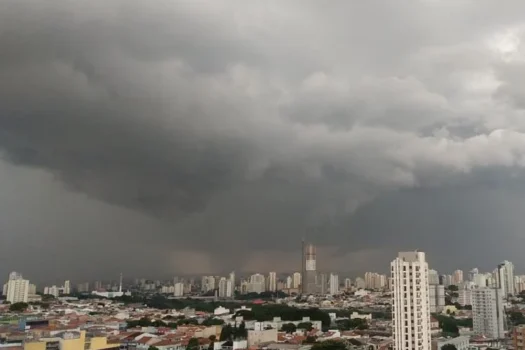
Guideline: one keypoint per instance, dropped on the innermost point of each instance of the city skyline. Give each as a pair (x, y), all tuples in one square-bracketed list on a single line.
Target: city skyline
[(160, 137)]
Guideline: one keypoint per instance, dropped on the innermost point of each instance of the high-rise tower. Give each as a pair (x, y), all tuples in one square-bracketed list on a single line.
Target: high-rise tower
[(309, 285), (410, 302)]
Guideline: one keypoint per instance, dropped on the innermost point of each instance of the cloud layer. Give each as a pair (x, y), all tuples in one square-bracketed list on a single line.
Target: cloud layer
[(223, 131)]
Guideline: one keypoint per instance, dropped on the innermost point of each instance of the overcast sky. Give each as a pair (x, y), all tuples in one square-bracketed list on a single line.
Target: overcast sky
[(167, 137)]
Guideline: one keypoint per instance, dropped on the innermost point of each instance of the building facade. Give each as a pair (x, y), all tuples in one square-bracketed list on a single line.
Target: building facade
[(487, 312), (410, 302)]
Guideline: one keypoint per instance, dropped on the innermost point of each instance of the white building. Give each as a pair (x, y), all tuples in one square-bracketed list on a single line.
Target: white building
[(433, 277), (257, 283), (465, 297), (179, 289), (289, 282), (17, 290), (375, 280), (272, 281), (487, 312), (67, 287), (461, 342), (506, 278), (348, 283), (436, 293), (296, 280), (207, 283), (360, 283), (458, 277), (410, 302), (334, 284), (225, 288)]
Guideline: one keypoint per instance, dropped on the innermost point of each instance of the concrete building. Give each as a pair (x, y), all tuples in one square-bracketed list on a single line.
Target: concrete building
[(179, 289), (375, 281), (261, 335), (360, 283), (487, 312), (32, 289), (17, 290), (458, 277), (310, 270), (272, 281), (505, 278), (433, 277), (289, 282), (225, 288), (296, 280), (410, 302), (348, 283), (334, 284), (67, 287), (461, 342), (436, 294), (472, 274), (518, 338), (465, 297), (257, 283)]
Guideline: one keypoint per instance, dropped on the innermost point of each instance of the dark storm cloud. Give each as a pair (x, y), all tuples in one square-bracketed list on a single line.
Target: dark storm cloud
[(223, 130)]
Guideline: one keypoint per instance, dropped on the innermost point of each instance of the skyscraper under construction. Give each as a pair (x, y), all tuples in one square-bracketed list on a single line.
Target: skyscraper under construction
[(309, 278)]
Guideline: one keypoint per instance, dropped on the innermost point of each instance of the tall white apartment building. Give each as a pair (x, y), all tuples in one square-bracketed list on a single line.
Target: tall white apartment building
[(272, 281), (465, 297), (348, 283), (436, 294), (458, 277), (487, 312), (410, 302), (505, 278), (257, 283), (297, 280), (179, 289), (17, 290), (334, 284), (225, 288), (433, 277), (208, 283), (67, 287)]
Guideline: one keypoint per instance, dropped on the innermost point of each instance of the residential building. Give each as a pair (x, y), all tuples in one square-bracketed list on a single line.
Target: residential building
[(179, 289), (67, 287), (433, 277), (272, 281), (207, 283), (518, 338), (488, 313), (465, 297), (375, 281), (461, 342), (32, 289), (436, 297), (257, 283), (296, 280), (505, 277), (334, 284), (225, 288), (360, 283), (458, 277), (17, 290), (348, 283), (472, 274), (410, 302), (289, 282)]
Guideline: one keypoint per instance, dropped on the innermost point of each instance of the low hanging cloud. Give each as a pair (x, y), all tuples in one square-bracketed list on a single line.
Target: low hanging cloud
[(241, 127)]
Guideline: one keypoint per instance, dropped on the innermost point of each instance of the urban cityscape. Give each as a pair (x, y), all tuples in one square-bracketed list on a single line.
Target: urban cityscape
[(262, 174), (414, 307)]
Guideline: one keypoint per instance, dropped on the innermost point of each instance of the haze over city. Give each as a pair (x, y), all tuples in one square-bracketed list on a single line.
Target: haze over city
[(156, 138)]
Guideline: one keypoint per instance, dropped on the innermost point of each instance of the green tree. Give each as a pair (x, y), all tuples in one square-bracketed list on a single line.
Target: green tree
[(516, 318), (241, 332), (193, 344), (329, 345), (288, 327), (449, 347), (18, 307), (453, 288), (305, 325), (212, 322), (226, 333), (151, 347)]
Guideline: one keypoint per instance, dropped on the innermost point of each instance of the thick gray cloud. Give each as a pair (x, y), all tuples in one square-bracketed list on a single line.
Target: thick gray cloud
[(211, 135)]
